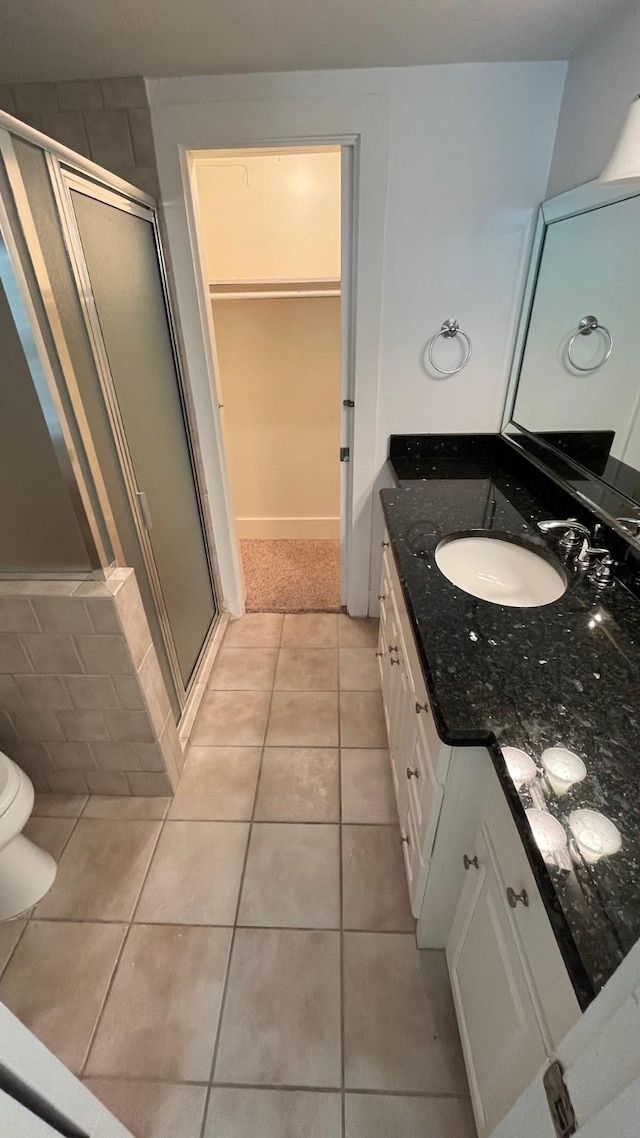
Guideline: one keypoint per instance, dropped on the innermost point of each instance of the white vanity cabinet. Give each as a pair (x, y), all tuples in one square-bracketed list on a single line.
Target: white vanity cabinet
[(470, 883)]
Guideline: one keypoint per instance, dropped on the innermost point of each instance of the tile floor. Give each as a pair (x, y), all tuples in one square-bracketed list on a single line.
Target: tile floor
[(240, 959)]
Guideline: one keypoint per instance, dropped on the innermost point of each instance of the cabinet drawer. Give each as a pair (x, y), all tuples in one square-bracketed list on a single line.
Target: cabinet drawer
[(556, 1004), (415, 863), (422, 783)]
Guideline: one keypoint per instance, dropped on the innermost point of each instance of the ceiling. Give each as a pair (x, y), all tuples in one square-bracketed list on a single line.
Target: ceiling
[(83, 39)]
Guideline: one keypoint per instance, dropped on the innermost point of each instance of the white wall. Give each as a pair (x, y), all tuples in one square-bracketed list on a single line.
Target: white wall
[(271, 217), (469, 148), (601, 82)]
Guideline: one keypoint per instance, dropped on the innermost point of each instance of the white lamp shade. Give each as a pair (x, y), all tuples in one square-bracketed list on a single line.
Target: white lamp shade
[(624, 163)]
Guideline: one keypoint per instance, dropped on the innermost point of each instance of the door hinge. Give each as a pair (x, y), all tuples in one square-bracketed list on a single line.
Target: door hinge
[(345, 454), (563, 1115), (348, 403)]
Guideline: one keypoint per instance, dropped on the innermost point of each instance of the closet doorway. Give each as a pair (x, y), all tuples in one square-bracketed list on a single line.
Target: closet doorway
[(270, 242)]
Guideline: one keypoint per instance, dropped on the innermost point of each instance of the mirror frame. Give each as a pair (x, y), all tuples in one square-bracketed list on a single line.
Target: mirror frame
[(600, 496)]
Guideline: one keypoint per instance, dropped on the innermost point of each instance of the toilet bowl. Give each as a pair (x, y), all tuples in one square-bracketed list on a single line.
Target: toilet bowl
[(26, 871)]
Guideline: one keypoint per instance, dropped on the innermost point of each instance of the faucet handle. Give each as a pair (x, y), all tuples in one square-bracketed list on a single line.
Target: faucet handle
[(602, 576)]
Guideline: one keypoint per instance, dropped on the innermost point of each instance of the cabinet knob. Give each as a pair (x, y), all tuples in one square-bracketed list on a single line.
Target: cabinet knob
[(382, 596), (470, 861), (379, 653), (392, 649), (396, 661), (384, 544), (513, 898), (415, 773), (422, 707), (404, 841)]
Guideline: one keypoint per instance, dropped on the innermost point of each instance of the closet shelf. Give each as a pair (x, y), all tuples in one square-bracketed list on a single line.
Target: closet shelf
[(272, 290)]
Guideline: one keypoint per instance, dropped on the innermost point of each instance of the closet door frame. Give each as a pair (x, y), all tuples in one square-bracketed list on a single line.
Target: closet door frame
[(65, 177)]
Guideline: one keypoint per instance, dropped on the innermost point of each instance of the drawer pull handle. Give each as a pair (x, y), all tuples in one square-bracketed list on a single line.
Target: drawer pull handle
[(415, 773), (384, 544), (392, 649), (470, 861), (422, 707), (379, 653), (382, 596), (513, 898), (396, 661), (404, 841)]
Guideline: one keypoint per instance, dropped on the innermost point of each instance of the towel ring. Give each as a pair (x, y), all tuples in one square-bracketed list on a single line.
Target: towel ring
[(448, 329), (587, 325)]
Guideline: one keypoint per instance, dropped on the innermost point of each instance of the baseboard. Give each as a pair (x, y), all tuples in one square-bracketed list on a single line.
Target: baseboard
[(300, 528)]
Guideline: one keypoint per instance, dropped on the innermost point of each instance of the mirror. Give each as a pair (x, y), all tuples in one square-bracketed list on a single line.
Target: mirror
[(575, 394)]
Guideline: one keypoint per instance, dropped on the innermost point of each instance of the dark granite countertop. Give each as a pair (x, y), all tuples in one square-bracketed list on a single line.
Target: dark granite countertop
[(566, 674)]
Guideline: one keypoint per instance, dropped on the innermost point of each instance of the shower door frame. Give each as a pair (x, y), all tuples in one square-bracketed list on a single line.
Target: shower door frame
[(67, 169)]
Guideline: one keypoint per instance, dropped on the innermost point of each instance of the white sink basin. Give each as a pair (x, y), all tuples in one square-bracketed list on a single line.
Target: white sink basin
[(500, 571)]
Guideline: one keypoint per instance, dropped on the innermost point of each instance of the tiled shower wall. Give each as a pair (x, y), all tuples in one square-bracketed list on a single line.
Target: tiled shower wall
[(83, 706), (107, 120)]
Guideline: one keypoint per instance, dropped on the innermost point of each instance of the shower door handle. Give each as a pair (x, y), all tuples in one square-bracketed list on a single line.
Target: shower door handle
[(143, 506)]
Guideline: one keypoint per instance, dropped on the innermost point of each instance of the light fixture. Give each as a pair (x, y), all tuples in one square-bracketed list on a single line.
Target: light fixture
[(547, 831), (595, 835), (520, 766), (563, 768), (624, 163)]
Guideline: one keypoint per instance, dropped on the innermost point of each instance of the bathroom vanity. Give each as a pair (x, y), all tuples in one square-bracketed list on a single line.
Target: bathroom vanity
[(531, 934)]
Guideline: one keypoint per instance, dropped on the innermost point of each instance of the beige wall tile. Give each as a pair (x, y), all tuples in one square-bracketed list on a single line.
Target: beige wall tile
[(17, 615), (79, 95), (33, 98), (68, 128), (67, 782), (43, 691), (281, 1022), (154, 690), (9, 694), (149, 756), (71, 756), (116, 756), (35, 725), (121, 807), (35, 760), (62, 614), (299, 784), (171, 974), (87, 726), (129, 726), (153, 1110), (148, 783), (51, 653), (107, 782), (195, 874), (8, 734), (13, 657), (172, 753), (143, 177), (235, 1112), (92, 692), (101, 871), (104, 615), (142, 137), (129, 693), (57, 979), (109, 137), (6, 99), (126, 92), (104, 655), (133, 619)]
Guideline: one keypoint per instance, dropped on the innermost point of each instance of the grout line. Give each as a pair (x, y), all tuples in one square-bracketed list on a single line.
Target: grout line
[(225, 988), (276, 1087)]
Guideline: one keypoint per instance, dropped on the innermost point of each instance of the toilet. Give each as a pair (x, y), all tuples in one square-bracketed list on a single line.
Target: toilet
[(26, 871)]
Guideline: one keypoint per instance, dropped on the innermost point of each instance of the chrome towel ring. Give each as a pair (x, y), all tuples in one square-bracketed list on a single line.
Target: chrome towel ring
[(587, 325), (448, 329)]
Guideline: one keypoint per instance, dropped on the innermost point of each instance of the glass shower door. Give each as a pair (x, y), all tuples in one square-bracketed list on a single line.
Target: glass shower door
[(127, 295)]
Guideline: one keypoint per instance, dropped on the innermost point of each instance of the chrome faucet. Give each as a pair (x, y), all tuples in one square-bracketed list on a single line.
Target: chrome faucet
[(575, 534), (577, 540)]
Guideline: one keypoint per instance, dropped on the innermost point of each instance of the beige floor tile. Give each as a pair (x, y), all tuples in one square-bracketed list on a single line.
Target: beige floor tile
[(56, 981), (239, 1113), (374, 885), (380, 1116), (281, 1021), (218, 783), (255, 630), (354, 633), (359, 669), (400, 1027), (362, 719), (232, 719), (101, 871), (310, 630), (51, 834), (153, 1110), (367, 786), (244, 669), (307, 669), (59, 805), (303, 719), (298, 784), (167, 991), (126, 806), (292, 877), (10, 933), (195, 874)]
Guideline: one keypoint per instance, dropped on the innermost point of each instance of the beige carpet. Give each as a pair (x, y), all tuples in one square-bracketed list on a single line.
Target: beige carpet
[(291, 576)]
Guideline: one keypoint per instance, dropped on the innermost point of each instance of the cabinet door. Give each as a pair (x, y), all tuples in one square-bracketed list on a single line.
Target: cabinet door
[(502, 1043)]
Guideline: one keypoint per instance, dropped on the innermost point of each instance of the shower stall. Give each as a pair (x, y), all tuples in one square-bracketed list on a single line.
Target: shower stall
[(97, 461)]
